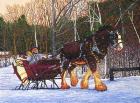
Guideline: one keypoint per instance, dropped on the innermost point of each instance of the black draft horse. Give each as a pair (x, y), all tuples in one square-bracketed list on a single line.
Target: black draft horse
[(89, 52)]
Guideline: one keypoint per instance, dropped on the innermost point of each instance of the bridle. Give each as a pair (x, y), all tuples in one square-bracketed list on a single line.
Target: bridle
[(112, 38)]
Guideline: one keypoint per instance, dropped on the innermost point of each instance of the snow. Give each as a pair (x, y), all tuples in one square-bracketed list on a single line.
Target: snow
[(122, 90)]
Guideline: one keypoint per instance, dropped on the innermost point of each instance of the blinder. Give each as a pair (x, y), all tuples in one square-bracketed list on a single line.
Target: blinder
[(114, 38)]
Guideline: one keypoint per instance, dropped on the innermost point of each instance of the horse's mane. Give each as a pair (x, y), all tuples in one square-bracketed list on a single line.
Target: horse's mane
[(104, 27), (100, 29)]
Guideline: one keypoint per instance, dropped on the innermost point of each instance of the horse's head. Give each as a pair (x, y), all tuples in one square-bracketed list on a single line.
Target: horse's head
[(110, 36), (115, 40)]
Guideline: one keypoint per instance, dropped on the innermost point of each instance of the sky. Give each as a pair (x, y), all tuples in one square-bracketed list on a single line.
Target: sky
[(4, 3)]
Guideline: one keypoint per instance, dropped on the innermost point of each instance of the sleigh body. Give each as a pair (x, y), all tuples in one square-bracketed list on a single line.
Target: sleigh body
[(34, 76)]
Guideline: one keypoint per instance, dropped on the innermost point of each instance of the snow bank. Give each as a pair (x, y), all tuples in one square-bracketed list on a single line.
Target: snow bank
[(122, 90)]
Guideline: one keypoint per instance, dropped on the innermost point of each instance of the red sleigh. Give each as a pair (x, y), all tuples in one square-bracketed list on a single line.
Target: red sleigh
[(37, 74)]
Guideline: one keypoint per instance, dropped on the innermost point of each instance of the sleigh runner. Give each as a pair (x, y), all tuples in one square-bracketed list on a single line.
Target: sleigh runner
[(34, 76)]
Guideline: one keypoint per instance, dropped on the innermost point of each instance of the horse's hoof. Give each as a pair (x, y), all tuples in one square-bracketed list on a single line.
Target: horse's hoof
[(101, 87), (74, 81), (84, 84), (65, 86)]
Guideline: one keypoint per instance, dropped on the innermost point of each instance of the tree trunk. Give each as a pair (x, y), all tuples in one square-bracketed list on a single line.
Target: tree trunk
[(53, 28), (14, 43), (4, 38), (131, 19)]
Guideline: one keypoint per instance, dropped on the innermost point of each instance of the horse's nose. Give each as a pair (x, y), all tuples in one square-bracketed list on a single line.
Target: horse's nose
[(119, 47)]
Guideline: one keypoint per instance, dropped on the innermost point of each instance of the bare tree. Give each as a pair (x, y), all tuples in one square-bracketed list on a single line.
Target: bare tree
[(131, 16), (14, 12)]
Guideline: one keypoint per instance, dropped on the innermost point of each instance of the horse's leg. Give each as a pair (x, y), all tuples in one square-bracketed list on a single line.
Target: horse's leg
[(84, 82), (64, 84), (73, 76), (99, 85)]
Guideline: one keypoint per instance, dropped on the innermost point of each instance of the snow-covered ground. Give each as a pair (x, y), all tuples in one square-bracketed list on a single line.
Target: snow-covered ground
[(122, 90)]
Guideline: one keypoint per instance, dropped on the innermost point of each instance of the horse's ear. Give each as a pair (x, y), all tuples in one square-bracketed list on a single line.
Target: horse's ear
[(110, 27), (113, 28), (105, 26)]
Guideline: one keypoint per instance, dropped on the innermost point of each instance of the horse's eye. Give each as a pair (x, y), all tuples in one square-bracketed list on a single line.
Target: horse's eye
[(115, 36)]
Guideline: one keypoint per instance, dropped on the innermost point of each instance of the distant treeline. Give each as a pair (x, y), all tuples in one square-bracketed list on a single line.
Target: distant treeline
[(18, 36)]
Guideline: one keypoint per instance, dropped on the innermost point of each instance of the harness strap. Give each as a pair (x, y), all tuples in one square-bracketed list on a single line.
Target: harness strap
[(94, 55), (81, 51)]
